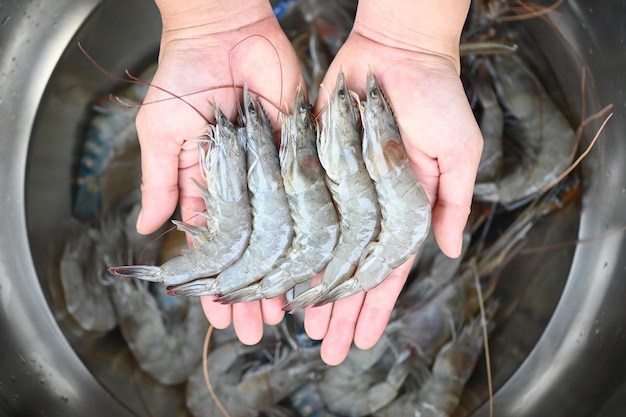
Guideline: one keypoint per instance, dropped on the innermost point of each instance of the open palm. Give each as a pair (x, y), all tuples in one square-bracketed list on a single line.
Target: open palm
[(444, 146)]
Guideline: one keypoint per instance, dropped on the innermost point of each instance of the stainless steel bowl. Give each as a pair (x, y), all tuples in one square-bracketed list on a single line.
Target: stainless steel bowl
[(575, 367)]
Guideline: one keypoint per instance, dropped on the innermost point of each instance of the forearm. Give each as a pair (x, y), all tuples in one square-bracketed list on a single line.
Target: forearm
[(433, 25), (212, 16)]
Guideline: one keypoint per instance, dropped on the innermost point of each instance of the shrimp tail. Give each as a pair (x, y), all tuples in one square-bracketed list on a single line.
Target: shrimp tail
[(143, 272), (249, 293), (370, 274), (310, 297), (203, 286)]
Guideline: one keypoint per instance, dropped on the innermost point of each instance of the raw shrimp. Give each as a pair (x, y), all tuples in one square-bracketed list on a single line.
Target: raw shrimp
[(315, 219), (541, 129), (439, 395), (404, 205), (434, 314), (491, 124), (339, 148), (229, 222), (165, 339), (83, 279), (365, 382), (431, 271), (165, 335), (246, 393), (272, 226)]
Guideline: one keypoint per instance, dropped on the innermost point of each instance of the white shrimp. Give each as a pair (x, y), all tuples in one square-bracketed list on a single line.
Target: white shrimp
[(245, 391), (272, 226), (341, 155), (404, 205), (439, 394), (83, 276), (229, 222), (315, 219), (365, 382), (533, 119), (167, 340)]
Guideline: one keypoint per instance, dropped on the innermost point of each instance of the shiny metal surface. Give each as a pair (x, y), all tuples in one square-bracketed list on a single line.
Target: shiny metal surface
[(39, 372), (576, 368)]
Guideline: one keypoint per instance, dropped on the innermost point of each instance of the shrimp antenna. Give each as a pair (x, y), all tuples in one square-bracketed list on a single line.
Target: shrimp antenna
[(280, 70), (205, 370), (135, 80), (483, 319)]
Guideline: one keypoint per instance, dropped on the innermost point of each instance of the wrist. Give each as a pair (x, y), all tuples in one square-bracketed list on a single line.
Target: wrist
[(205, 17), (430, 26)]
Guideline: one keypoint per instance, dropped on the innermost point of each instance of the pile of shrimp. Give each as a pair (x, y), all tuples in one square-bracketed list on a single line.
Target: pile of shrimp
[(276, 216)]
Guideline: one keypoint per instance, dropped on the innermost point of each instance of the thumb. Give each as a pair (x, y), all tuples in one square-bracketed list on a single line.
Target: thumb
[(159, 186)]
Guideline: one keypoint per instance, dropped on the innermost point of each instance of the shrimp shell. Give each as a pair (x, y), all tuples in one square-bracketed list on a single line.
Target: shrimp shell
[(229, 220), (404, 205), (341, 155), (314, 216), (272, 226)]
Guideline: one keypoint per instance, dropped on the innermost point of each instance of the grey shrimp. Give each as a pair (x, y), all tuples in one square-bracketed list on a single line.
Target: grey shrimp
[(341, 155), (229, 221), (542, 130), (165, 341), (404, 205), (439, 395), (272, 226), (491, 123), (315, 219), (367, 381), (83, 279), (247, 392)]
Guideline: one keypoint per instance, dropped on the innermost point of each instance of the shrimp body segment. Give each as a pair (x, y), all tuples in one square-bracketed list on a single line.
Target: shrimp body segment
[(229, 221), (341, 155), (314, 217), (272, 226), (405, 208)]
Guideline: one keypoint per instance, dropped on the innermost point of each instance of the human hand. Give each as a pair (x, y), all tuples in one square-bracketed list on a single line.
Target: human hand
[(444, 145), (203, 54)]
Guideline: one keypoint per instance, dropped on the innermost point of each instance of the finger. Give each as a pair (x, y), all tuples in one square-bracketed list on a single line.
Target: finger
[(378, 305), (219, 315), (273, 310), (336, 343), (248, 322), (454, 199), (316, 319), (159, 188)]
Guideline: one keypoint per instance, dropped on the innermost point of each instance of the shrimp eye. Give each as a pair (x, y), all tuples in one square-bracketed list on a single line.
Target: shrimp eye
[(341, 93), (374, 94), (302, 108), (251, 108)]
